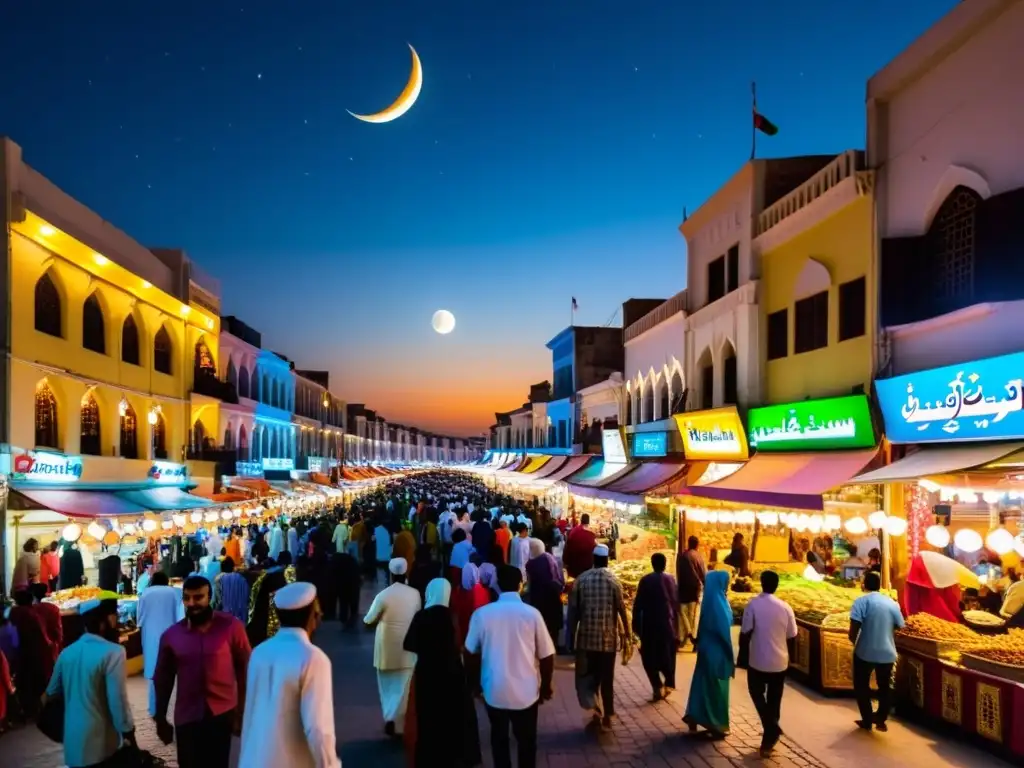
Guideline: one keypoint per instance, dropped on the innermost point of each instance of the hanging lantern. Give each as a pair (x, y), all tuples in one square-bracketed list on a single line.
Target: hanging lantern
[(814, 523), (895, 526), (225, 515), (96, 530), (768, 519), (967, 540), (211, 517), (937, 536), (999, 541), (166, 525), (72, 532), (130, 529), (726, 517), (877, 520), (149, 525), (179, 520), (833, 523)]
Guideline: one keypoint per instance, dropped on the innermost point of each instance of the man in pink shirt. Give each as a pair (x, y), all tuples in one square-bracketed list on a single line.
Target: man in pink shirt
[(208, 654)]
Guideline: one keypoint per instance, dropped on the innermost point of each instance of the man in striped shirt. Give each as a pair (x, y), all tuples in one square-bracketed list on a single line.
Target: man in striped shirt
[(232, 591)]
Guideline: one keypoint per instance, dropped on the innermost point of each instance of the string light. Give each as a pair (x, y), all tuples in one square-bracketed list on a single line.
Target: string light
[(937, 536), (967, 540)]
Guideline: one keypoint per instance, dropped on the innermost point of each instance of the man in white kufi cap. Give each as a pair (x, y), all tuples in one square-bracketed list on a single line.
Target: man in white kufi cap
[(289, 707), (392, 612)]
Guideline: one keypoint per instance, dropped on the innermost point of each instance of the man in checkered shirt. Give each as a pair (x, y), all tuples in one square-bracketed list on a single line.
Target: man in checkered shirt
[(600, 620)]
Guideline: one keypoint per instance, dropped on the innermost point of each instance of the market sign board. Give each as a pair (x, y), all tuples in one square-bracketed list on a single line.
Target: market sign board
[(277, 464), (612, 447), (982, 400), (168, 473), (714, 435), (812, 425), (44, 467), (649, 444)]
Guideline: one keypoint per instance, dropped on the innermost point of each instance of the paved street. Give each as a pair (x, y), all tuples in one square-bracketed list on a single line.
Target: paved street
[(820, 731)]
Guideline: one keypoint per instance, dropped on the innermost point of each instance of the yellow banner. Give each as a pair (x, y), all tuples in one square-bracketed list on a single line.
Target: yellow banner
[(715, 435)]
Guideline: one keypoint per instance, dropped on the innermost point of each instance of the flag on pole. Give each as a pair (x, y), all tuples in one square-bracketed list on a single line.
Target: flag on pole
[(764, 125), (575, 306)]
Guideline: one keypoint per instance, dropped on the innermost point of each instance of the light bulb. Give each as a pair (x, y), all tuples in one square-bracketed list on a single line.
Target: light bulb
[(225, 515), (877, 519), (967, 540), (149, 525), (999, 541), (814, 523), (937, 536), (72, 532), (179, 520), (211, 517), (129, 528), (166, 525), (726, 517), (833, 523), (196, 517), (768, 519), (895, 526)]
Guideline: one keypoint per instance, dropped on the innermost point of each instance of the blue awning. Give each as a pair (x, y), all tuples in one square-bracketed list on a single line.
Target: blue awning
[(164, 499), (81, 504)]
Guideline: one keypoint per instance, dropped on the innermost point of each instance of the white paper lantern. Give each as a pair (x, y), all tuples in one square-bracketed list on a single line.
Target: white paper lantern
[(130, 529), (149, 525), (72, 532), (895, 526), (211, 517), (225, 515), (196, 517), (833, 523), (999, 541), (768, 519), (745, 517), (236, 512), (814, 523), (877, 520), (967, 540), (726, 517), (179, 520), (937, 536), (166, 525), (1018, 545), (97, 531)]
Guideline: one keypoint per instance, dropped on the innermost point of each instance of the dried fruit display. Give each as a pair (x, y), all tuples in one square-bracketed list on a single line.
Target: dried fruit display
[(837, 621), (933, 628), (1005, 649), (983, 618)]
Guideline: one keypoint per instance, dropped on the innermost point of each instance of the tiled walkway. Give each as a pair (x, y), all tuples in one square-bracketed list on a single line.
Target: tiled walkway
[(820, 732)]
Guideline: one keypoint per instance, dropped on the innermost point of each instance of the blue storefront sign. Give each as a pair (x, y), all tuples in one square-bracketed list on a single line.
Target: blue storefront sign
[(649, 444), (981, 400)]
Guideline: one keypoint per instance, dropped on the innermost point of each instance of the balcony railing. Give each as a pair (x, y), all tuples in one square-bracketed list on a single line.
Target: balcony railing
[(211, 386), (219, 455), (656, 316), (841, 168)]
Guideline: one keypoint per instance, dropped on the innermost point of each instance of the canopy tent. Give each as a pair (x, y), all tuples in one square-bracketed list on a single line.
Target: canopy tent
[(941, 460), (572, 465), (550, 467), (165, 499), (598, 473), (789, 480)]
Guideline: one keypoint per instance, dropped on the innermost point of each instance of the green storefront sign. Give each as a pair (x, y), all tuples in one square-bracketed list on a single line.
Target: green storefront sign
[(812, 425)]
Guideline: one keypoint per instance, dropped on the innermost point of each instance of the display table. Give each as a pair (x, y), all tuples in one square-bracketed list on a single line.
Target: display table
[(980, 708), (823, 660)]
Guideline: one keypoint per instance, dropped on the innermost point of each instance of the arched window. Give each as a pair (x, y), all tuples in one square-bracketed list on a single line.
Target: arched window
[(730, 396), (663, 403), (130, 341), (205, 366), (647, 409), (160, 437), (162, 351), (228, 438), (255, 390), (243, 443), (94, 335), (678, 394), (264, 442), (232, 374), (629, 408), (243, 382), (46, 417), (706, 366), (90, 427), (953, 236), (129, 434), (266, 389), (198, 436), (48, 307)]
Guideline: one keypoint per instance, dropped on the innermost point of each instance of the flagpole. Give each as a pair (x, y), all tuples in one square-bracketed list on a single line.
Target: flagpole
[(753, 122)]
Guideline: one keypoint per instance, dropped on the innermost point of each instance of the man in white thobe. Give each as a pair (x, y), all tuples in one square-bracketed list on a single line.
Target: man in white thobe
[(289, 706), (340, 536), (158, 608), (392, 612), (293, 542)]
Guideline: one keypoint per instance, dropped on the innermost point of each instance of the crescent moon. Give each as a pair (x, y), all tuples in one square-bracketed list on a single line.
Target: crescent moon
[(405, 99)]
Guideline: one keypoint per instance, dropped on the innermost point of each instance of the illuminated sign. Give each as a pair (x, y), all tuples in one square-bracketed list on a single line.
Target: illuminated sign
[(713, 435), (278, 464), (167, 473), (612, 447), (812, 425), (982, 400), (315, 464), (649, 444), (248, 469), (38, 466)]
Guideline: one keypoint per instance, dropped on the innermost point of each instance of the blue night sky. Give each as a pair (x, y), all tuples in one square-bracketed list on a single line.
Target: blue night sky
[(549, 155)]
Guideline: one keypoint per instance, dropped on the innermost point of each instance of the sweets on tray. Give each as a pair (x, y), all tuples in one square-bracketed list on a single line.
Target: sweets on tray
[(930, 627), (1006, 649)]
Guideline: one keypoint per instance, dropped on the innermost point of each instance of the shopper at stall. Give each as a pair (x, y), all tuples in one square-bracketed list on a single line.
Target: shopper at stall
[(49, 567), (90, 678), (206, 655), (511, 655), (708, 703), (578, 555), (874, 618), (49, 617), (35, 654), (27, 569), (656, 624), (72, 567), (600, 621), (391, 612), (770, 626), (739, 556), (440, 724), (159, 608), (289, 705), (690, 574)]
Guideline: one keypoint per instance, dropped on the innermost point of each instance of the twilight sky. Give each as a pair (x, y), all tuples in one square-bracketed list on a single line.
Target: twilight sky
[(550, 155)]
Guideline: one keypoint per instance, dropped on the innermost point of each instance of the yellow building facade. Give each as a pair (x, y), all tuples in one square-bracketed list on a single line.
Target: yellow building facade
[(818, 303)]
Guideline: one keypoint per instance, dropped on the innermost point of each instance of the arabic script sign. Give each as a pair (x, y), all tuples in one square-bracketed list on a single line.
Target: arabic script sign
[(41, 467), (649, 444), (812, 425), (982, 400), (168, 473), (715, 434)]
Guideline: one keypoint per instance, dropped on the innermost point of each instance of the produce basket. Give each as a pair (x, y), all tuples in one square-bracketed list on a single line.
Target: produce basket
[(994, 668)]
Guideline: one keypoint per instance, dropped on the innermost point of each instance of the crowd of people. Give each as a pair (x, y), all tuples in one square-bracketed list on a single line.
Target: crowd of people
[(473, 606)]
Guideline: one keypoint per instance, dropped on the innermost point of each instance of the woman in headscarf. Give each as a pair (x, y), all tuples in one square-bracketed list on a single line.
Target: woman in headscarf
[(467, 599), (708, 704), (440, 724), (544, 585), (489, 579), (424, 570)]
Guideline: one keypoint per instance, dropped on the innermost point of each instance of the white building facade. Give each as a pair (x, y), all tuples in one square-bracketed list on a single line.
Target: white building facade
[(655, 376)]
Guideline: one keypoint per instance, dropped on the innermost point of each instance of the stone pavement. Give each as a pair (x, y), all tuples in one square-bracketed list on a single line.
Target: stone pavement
[(820, 731)]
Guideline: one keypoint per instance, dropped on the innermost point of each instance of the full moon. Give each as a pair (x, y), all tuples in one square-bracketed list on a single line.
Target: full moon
[(443, 321)]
